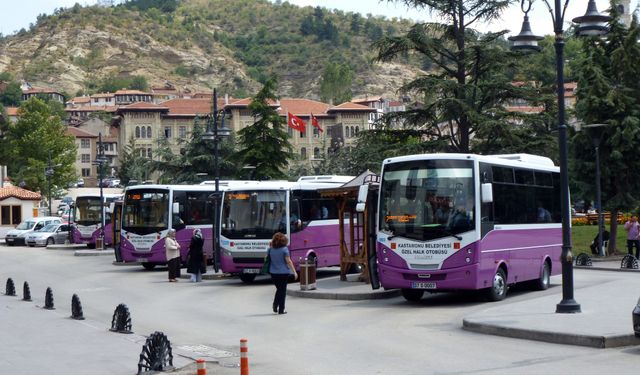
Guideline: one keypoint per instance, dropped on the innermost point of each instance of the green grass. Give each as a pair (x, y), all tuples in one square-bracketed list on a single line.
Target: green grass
[(581, 237)]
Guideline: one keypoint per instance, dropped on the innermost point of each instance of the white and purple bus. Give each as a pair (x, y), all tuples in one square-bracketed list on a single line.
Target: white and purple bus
[(86, 218), (150, 210), (253, 211), (467, 222)]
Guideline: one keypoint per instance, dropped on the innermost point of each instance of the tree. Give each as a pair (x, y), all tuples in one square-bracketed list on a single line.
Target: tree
[(12, 94), (610, 94), (133, 166), (265, 144), (29, 141), (469, 85), (335, 84)]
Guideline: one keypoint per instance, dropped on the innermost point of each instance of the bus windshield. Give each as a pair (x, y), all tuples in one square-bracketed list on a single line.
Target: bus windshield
[(253, 214), (145, 211), (87, 210), (427, 199)]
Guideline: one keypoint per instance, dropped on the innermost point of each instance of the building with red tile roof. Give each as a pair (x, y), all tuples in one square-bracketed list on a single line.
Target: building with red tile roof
[(17, 204)]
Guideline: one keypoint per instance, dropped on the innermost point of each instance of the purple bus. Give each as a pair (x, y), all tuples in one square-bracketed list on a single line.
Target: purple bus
[(86, 218), (466, 222), (150, 210), (253, 211)]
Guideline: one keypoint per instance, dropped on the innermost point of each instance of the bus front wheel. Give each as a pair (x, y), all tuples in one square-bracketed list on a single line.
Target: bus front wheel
[(412, 295), (149, 266), (498, 290), (247, 278)]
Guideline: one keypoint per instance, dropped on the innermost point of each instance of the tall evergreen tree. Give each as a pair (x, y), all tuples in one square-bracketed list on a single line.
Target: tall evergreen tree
[(610, 94), (265, 144), (133, 166), (469, 86)]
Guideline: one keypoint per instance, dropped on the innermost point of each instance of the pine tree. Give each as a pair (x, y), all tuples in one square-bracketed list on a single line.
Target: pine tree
[(469, 86), (265, 144), (610, 94)]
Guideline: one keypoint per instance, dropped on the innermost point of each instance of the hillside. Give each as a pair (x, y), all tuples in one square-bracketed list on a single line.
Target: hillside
[(229, 44)]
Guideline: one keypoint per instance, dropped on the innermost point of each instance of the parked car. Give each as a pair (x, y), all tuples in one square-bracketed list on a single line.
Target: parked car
[(17, 236), (67, 200), (636, 319), (49, 235), (80, 183), (114, 183)]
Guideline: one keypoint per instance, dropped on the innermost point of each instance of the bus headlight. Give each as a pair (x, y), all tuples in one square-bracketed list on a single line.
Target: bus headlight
[(469, 251), (467, 259)]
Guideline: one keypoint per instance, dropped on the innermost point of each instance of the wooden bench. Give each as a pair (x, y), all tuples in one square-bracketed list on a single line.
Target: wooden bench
[(592, 219)]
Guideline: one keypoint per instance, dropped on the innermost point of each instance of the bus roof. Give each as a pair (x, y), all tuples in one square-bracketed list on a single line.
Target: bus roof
[(326, 178), (514, 160), (284, 185)]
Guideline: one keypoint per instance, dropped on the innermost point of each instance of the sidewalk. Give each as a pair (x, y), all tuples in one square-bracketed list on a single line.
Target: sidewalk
[(605, 320)]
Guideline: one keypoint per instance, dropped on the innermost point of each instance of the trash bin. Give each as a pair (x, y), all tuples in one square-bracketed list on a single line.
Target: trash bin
[(99, 243), (307, 275)]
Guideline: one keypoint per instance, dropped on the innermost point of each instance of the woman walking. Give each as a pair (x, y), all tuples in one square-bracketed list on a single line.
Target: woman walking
[(196, 262), (281, 269), (172, 251)]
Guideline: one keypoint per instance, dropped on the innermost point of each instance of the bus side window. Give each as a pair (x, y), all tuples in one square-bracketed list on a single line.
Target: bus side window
[(294, 216)]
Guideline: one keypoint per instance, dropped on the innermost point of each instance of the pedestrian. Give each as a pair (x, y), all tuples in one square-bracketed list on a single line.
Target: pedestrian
[(196, 261), (172, 251), (633, 231), (281, 269)]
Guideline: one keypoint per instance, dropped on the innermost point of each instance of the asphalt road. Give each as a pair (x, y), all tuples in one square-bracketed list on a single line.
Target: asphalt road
[(388, 336)]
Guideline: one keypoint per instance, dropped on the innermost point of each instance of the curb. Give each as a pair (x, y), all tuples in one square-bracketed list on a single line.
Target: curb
[(344, 296), (593, 341), (606, 269), (207, 276), (65, 247)]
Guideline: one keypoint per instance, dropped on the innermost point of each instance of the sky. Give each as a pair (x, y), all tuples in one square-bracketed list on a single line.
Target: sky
[(20, 13)]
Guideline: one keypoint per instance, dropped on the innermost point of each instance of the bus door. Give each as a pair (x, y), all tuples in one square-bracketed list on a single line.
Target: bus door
[(116, 221)]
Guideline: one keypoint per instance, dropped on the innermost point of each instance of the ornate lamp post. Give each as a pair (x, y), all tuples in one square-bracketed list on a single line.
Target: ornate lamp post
[(596, 137), (215, 134), (48, 172), (592, 23), (100, 162)]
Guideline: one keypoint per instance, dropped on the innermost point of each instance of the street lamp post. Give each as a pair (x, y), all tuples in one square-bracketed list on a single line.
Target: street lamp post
[(596, 138), (48, 172), (215, 134), (100, 161), (592, 23)]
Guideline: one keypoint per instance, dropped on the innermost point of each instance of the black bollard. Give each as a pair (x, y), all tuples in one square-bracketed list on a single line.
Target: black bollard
[(48, 299), (76, 308), (26, 292), (156, 354), (11, 288), (121, 321)]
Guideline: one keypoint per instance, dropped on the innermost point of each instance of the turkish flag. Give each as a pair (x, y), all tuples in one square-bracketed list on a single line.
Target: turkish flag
[(314, 122), (296, 123)]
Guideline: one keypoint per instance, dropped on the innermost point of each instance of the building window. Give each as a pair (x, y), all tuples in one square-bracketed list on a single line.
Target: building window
[(85, 143), (347, 132), (290, 131), (85, 158), (316, 132), (357, 130), (167, 131), (303, 153), (148, 131), (316, 153), (86, 172), (137, 132), (149, 154), (182, 132), (303, 133), (10, 215)]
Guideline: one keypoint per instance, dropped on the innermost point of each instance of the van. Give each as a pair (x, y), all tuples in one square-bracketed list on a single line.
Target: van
[(17, 236)]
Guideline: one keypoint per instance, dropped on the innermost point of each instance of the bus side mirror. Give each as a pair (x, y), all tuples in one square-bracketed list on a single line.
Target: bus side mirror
[(362, 198), (487, 193)]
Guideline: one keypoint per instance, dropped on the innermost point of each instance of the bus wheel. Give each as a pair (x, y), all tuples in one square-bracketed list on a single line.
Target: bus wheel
[(355, 268), (413, 295), (498, 289), (149, 266), (545, 274), (247, 278), (91, 246)]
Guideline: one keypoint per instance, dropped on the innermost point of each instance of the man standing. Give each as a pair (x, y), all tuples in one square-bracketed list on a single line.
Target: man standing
[(633, 229)]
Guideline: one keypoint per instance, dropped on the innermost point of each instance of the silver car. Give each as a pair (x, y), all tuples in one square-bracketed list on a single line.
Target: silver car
[(49, 235)]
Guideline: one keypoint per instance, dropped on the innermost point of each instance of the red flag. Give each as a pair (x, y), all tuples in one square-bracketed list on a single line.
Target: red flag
[(296, 123), (314, 122)]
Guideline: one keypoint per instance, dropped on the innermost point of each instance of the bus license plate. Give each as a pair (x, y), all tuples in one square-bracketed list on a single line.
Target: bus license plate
[(251, 270), (417, 285), (141, 260)]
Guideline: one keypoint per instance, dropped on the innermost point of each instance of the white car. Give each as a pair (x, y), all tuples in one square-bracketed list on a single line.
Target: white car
[(17, 236), (49, 235)]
